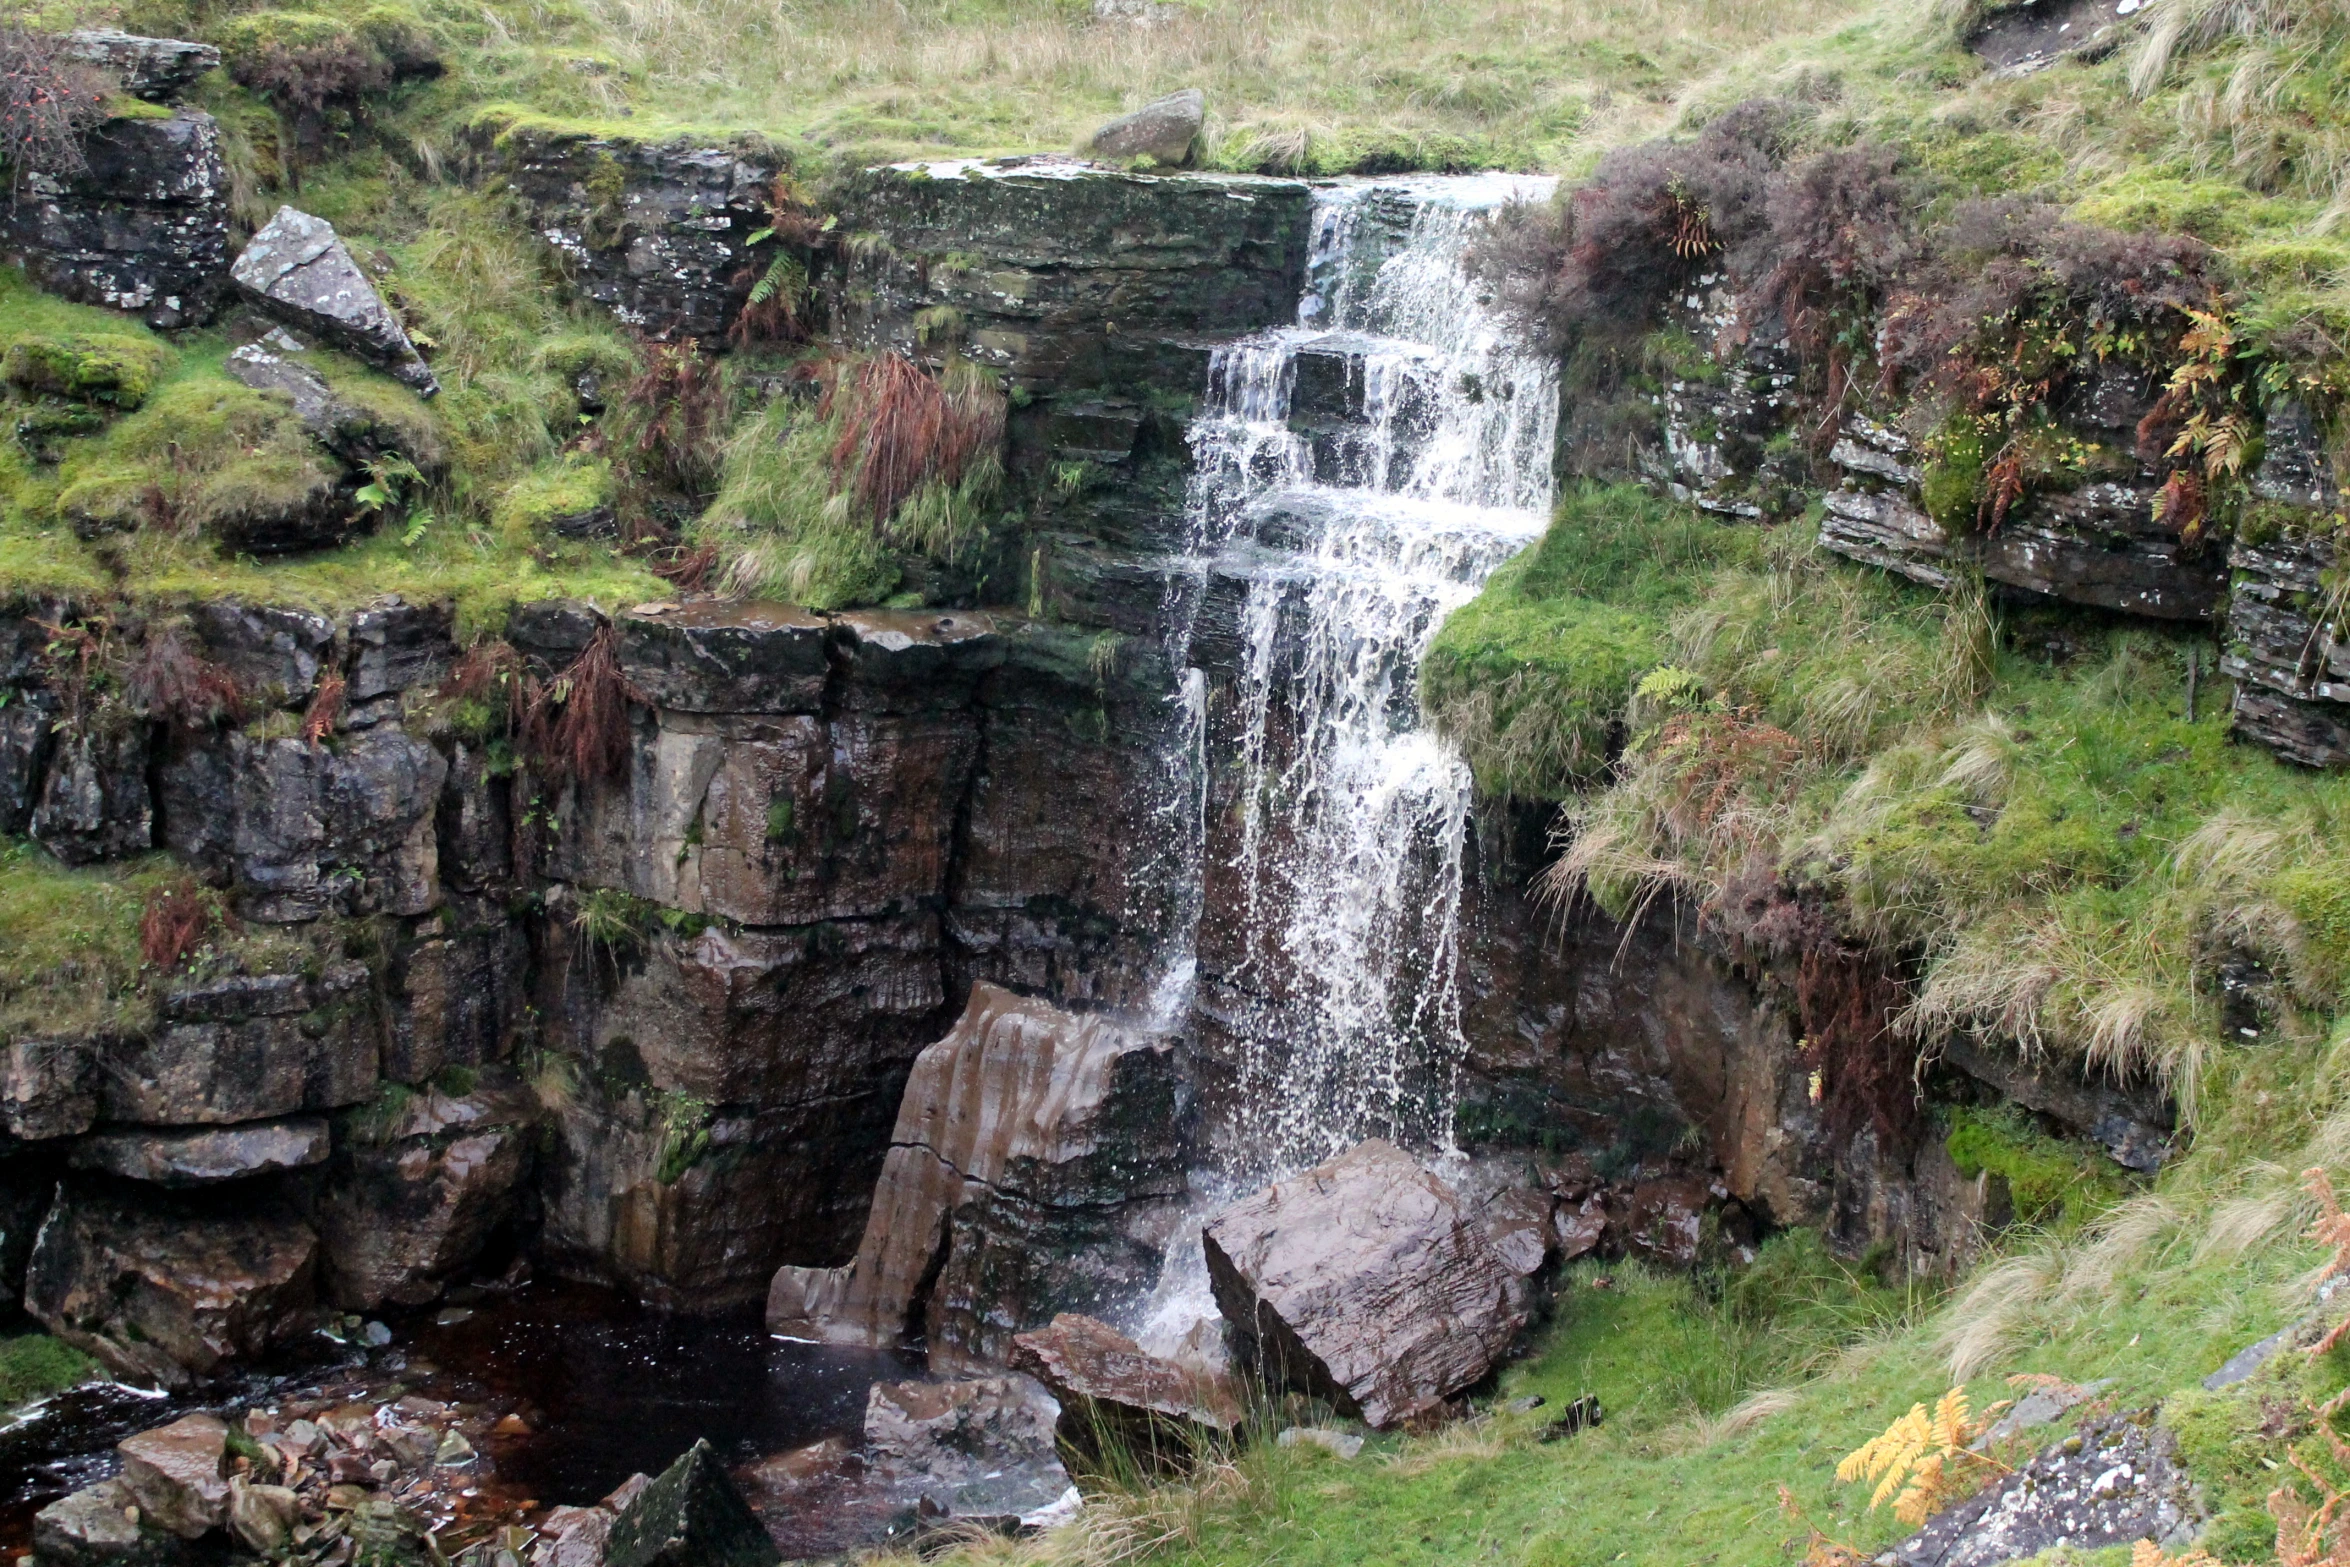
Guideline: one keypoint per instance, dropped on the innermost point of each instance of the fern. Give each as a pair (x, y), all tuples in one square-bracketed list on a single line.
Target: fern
[(1924, 1461)]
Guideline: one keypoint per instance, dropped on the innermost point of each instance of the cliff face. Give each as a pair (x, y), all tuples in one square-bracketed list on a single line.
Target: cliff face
[(655, 1021)]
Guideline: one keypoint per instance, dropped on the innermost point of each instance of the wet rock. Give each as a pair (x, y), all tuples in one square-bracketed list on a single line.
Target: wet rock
[(25, 743), (2120, 1483), (456, 989), (264, 1517), (1029, 1144), (1161, 131), (656, 232), (476, 821), (298, 270), (204, 1157), (174, 1473), (911, 661), (101, 1526), (1518, 1223), (156, 69), (2100, 545), (982, 1446), (307, 830), (248, 1048), (143, 229), (274, 654), (2311, 734), (95, 803), (691, 1515), (166, 1291), (727, 657), (416, 1195), (1885, 529), (2132, 1125), (1664, 1219), (49, 1085), (1365, 1281), (1111, 1392), (2292, 675), (2295, 468)]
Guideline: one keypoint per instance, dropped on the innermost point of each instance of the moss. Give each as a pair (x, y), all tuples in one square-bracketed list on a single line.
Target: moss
[(34, 1365), (114, 368), (685, 1134), (566, 487), (1952, 483), (2050, 1182), (205, 454), (388, 415)]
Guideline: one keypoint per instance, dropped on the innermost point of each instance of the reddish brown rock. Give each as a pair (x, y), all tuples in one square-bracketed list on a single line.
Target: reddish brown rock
[(175, 1473), (1042, 1120), (169, 1290), (1112, 1393), (1366, 1281)]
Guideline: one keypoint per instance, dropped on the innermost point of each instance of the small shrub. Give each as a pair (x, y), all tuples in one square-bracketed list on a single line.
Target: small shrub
[(325, 711), (48, 101), (179, 917), (667, 428), (902, 429), (306, 62)]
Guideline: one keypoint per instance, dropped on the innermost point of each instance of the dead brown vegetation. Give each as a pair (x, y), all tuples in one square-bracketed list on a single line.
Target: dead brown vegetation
[(179, 917), (577, 723), (48, 102), (901, 428)]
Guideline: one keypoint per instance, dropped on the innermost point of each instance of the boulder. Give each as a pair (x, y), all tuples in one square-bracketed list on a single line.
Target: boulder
[(1664, 1218), (2114, 1483), (690, 1515), (1114, 1395), (980, 1447), (1366, 1281), (248, 1048), (49, 1085), (174, 1473), (298, 270), (416, 1195), (354, 433), (1029, 1143), (1162, 131), (165, 1291), (144, 228), (102, 1526), (200, 1158), (156, 69)]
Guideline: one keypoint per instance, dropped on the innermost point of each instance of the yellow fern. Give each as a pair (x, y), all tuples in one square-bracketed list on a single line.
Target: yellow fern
[(1924, 1461), (2148, 1554)]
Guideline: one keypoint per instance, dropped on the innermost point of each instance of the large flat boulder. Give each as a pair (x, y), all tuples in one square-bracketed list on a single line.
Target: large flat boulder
[(1161, 131), (175, 1472), (143, 228), (206, 1156), (1366, 1281), (977, 1447), (1027, 1141)]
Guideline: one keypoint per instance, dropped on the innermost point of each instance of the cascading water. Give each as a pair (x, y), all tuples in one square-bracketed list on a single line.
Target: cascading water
[(1358, 476)]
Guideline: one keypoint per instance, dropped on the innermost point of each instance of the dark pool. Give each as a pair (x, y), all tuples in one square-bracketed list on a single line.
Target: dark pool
[(604, 1387)]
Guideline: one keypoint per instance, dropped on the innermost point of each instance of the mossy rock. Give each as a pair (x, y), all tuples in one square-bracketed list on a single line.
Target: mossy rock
[(113, 368), (319, 55), (570, 497), (208, 456)]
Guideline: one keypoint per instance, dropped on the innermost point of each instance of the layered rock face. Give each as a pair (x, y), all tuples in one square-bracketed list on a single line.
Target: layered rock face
[(1033, 1169)]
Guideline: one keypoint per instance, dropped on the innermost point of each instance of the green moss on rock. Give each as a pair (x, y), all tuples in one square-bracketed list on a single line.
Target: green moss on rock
[(114, 368), (205, 455), (2049, 1181), (554, 494)]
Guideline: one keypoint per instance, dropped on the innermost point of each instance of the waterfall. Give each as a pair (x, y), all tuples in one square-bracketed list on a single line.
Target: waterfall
[(1357, 477)]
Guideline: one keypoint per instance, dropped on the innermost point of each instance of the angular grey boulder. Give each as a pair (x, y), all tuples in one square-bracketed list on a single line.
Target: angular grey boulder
[(689, 1516), (298, 270), (1366, 1281), (352, 433), (101, 1526), (981, 1447), (1164, 131)]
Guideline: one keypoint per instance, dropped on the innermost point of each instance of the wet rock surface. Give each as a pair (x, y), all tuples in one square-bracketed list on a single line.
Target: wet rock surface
[(2115, 1482), (1365, 1281), (1030, 1151), (298, 269), (201, 1158), (979, 1448)]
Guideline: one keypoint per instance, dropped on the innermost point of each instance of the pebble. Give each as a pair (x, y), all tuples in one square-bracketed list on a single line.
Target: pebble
[(1343, 1444)]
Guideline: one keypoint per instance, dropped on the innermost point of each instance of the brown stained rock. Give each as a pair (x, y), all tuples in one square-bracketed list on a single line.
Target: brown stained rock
[(201, 1158), (175, 1474), (247, 1048), (1113, 1394), (1518, 1223), (169, 1290), (1021, 1104), (1580, 1227), (263, 1516), (1365, 1281), (412, 1202), (455, 991)]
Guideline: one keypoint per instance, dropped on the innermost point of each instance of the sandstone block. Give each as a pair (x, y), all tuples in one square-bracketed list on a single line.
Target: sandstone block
[(174, 1472), (1111, 1392), (1365, 1281)]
